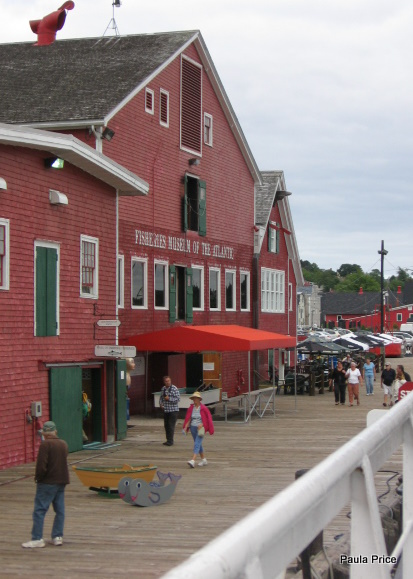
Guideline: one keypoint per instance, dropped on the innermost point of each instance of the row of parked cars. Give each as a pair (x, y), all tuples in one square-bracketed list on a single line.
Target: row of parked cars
[(397, 343)]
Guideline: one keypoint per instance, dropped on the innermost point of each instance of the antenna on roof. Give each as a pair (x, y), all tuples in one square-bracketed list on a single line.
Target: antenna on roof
[(112, 24)]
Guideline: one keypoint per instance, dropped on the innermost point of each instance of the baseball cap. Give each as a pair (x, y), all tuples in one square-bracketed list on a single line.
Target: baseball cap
[(49, 426)]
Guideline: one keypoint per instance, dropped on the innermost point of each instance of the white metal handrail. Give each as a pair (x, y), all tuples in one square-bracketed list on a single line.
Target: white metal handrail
[(264, 543)]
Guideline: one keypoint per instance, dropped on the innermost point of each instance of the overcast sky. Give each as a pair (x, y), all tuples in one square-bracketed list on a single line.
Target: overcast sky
[(323, 91)]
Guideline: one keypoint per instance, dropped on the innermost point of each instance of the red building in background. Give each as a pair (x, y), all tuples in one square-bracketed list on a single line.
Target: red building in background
[(195, 249)]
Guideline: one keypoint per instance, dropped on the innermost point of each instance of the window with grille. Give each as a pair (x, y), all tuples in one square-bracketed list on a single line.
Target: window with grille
[(208, 129), (245, 291), (89, 267), (191, 105), (272, 291), (149, 101), (273, 238), (139, 283), (164, 108)]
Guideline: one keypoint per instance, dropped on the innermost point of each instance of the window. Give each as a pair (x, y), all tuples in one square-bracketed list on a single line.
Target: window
[(194, 210), (161, 284), (399, 317), (149, 101), (208, 129), (89, 266), (120, 283), (46, 289), (191, 105), (214, 289), (139, 283), (230, 290), (273, 238), (4, 254), (245, 291), (164, 108), (290, 297), (272, 291), (198, 288)]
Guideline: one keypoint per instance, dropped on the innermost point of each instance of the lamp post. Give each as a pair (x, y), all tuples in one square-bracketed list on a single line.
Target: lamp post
[(382, 252)]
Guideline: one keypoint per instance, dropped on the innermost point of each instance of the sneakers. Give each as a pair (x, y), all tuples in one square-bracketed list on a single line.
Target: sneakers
[(57, 541), (191, 463), (36, 544), (203, 462)]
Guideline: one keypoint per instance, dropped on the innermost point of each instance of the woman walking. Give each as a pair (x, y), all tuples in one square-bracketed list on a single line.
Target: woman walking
[(340, 382), (198, 419), (354, 379)]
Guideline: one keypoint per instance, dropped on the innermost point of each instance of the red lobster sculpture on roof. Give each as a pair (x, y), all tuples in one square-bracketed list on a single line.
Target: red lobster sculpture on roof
[(47, 27)]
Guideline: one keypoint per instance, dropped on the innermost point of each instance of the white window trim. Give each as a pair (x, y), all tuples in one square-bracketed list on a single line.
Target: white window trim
[(234, 290), (120, 282), (57, 247), (399, 318), (143, 260), (166, 283), (6, 260), (165, 92), (272, 232), (290, 297), (217, 309), (95, 290), (202, 289), (210, 142), (248, 274), (152, 110), (266, 276), (187, 149)]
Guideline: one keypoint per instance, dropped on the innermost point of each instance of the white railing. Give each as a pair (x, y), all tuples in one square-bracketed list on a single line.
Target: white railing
[(264, 543)]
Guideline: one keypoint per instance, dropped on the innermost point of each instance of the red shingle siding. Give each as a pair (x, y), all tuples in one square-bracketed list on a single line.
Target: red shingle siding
[(90, 211)]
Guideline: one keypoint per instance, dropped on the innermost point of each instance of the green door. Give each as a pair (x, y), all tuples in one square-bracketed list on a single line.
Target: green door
[(46, 291), (66, 404), (120, 402)]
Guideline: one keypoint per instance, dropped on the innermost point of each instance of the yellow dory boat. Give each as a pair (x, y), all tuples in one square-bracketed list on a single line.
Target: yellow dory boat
[(105, 479)]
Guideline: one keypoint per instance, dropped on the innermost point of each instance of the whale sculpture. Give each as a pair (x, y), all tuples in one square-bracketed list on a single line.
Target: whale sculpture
[(124, 485), (139, 492)]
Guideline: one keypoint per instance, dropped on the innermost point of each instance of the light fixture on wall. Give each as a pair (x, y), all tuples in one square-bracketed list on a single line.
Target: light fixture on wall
[(54, 163), (194, 162), (108, 133), (3, 184), (280, 195)]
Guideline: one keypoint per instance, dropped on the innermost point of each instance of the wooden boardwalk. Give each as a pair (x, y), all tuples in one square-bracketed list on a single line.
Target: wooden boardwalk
[(248, 464)]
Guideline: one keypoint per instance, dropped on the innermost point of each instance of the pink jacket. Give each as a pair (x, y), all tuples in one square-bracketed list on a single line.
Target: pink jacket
[(205, 417)]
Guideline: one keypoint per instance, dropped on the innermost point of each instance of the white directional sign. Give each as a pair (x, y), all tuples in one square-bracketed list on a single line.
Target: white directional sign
[(108, 323), (115, 351)]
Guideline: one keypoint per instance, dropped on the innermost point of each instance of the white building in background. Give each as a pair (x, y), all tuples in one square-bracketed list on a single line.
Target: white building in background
[(308, 305)]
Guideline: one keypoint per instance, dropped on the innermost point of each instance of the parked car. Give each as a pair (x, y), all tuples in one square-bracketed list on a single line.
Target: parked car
[(406, 335)]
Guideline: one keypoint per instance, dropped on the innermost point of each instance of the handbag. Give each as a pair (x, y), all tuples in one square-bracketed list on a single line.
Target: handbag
[(201, 432)]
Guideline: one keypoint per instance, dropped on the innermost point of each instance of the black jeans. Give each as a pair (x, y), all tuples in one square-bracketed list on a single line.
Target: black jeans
[(340, 392), (169, 420)]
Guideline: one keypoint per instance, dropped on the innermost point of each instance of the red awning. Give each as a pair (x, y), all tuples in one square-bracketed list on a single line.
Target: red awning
[(209, 339)]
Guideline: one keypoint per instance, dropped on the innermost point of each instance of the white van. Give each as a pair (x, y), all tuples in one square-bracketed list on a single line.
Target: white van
[(408, 327)]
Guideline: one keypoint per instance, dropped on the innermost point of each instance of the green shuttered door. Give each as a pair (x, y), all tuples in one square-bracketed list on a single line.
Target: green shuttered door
[(66, 404), (46, 291)]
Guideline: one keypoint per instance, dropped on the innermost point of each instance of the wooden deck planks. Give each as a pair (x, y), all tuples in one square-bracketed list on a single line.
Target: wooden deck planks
[(248, 464)]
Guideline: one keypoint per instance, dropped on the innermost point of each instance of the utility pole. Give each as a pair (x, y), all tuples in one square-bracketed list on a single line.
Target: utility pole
[(382, 252)]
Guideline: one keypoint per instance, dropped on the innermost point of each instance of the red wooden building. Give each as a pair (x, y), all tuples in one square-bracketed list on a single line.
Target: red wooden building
[(57, 264), (187, 252)]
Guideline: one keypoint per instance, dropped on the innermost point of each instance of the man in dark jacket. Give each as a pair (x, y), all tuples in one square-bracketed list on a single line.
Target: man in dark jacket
[(387, 378), (52, 476)]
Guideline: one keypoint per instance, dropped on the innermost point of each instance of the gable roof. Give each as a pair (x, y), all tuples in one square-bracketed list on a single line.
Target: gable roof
[(354, 303), (78, 154), (273, 181), (79, 82)]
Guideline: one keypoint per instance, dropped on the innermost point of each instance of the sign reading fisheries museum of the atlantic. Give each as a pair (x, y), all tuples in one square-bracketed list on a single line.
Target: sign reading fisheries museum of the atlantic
[(173, 243)]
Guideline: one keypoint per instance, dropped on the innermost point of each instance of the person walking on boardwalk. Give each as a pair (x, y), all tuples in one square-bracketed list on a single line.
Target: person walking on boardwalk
[(198, 420), (340, 383), (354, 379), (52, 476), (369, 375), (387, 378), (399, 381), (169, 402)]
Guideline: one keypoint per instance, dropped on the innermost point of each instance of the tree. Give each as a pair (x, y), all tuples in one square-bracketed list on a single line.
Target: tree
[(354, 281), (346, 269)]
